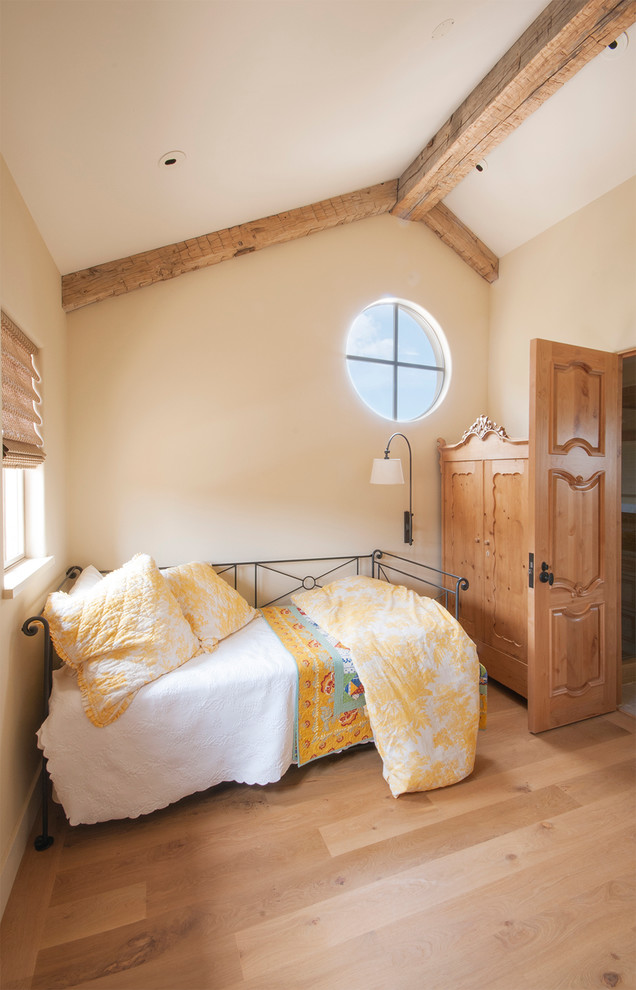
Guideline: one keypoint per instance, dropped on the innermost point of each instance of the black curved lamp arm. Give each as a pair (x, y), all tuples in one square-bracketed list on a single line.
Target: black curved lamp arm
[(408, 516)]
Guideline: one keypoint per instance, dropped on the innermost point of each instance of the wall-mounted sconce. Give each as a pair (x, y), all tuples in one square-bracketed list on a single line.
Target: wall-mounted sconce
[(389, 472)]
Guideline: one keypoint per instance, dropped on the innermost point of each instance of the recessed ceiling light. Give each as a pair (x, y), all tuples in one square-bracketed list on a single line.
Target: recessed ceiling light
[(171, 159), (616, 47), (442, 29)]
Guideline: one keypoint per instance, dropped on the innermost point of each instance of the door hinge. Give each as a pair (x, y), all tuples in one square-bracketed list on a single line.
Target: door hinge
[(531, 570)]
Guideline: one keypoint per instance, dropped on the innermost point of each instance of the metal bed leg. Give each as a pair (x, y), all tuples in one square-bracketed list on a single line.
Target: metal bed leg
[(29, 628), (44, 841)]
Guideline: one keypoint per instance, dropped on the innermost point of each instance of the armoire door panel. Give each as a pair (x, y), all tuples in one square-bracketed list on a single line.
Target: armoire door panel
[(484, 514), (463, 532), (505, 563)]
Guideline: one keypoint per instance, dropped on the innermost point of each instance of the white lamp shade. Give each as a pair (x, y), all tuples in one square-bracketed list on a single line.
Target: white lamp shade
[(387, 471)]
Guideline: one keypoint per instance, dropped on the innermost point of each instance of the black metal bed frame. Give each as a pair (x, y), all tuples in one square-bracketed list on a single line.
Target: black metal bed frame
[(380, 565)]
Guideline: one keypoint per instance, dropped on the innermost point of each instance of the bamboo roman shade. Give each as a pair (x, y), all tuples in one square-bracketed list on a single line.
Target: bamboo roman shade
[(21, 441)]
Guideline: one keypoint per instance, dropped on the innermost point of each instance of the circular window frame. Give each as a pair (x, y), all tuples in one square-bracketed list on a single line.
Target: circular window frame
[(435, 337)]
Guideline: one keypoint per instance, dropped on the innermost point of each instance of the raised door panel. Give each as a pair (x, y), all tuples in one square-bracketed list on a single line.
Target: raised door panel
[(577, 537), (577, 414), (582, 654), (463, 527)]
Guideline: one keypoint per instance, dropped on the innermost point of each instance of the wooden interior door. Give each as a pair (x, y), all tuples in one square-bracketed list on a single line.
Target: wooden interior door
[(574, 530)]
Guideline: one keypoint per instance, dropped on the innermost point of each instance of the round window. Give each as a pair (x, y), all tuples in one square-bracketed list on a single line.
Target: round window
[(398, 360)]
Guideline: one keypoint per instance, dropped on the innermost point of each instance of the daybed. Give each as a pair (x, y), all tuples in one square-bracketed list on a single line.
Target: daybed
[(173, 682)]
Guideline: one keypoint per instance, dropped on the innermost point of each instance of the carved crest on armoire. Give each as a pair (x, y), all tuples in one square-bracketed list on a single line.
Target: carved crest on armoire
[(481, 427)]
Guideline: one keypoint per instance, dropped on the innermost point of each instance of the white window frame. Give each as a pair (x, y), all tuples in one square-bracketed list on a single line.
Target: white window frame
[(17, 571), (14, 539), (437, 339)]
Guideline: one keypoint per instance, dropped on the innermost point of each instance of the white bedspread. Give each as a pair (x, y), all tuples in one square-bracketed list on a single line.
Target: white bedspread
[(227, 715)]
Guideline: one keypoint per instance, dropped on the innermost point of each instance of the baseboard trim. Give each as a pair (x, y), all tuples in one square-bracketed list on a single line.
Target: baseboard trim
[(19, 840)]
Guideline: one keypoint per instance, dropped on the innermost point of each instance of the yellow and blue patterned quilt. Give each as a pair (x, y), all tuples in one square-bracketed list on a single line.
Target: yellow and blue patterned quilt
[(330, 701), (409, 678)]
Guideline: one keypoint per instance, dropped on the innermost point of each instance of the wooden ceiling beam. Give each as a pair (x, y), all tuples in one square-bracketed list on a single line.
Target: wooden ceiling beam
[(463, 241), (565, 36), (115, 278), (562, 39)]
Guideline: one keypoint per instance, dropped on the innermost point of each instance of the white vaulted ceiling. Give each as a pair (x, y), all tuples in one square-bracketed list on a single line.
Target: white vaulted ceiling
[(278, 104)]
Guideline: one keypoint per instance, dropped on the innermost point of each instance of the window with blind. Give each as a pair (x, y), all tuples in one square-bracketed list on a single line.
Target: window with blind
[(21, 443), (21, 420)]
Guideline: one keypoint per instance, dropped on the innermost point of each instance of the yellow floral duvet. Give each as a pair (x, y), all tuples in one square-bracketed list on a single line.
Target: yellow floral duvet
[(420, 673)]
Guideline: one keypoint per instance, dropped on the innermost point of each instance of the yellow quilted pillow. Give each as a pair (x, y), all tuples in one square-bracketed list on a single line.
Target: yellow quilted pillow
[(126, 632), (211, 606)]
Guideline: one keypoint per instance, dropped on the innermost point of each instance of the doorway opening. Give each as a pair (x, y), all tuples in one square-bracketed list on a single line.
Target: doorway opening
[(628, 535)]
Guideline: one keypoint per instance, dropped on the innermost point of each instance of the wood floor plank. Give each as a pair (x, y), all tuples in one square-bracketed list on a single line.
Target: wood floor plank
[(91, 915), (622, 720), (602, 957), (474, 792), (222, 814), (328, 924), (494, 931), (599, 784), (244, 895), (522, 948), (419, 957), (377, 824), (221, 807), (23, 922), (521, 876), (563, 906), (523, 748), (180, 948), (402, 816)]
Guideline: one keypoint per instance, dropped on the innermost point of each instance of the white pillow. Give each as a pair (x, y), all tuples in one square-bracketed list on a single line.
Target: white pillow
[(87, 580)]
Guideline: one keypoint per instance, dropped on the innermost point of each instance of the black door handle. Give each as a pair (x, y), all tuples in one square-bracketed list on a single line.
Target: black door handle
[(546, 575)]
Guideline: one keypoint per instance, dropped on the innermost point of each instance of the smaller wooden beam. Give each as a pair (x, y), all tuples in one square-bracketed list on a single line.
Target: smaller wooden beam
[(115, 278), (463, 241)]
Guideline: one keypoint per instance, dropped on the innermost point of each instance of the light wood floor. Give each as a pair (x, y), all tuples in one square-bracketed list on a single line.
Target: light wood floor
[(522, 877)]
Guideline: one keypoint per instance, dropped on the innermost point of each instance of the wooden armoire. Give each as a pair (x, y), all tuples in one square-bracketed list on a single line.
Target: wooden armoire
[(484, 539)]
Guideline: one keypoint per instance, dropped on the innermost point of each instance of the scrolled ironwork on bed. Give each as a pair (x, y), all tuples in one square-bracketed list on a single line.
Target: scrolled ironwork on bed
[(270, 582), (379, 564)]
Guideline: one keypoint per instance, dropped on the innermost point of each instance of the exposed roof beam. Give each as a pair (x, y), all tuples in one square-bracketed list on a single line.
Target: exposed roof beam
[(563, 38), (115, 278), (463, 241)]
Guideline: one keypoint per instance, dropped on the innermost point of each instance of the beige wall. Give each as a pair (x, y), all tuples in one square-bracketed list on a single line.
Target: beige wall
[(212, 415), (575, 283), (30, 294)]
